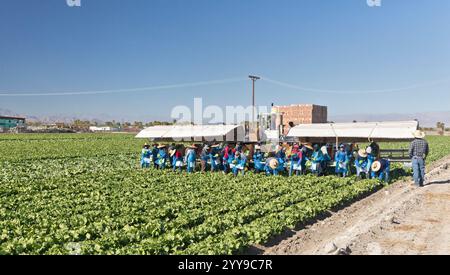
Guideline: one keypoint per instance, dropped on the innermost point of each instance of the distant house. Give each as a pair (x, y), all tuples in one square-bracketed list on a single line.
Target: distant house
[(7, 122), (96, 129)]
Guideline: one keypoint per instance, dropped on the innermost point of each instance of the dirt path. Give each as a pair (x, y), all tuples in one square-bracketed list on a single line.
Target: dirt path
[(400, 219)]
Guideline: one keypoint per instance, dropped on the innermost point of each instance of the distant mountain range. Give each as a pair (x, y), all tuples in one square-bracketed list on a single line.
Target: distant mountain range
[(428, 119)]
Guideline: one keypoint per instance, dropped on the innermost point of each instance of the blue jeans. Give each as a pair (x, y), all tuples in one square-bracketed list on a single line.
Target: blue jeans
[(418, 165)]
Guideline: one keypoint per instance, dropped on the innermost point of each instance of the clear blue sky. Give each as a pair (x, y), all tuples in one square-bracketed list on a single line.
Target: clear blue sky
[(345, 45)]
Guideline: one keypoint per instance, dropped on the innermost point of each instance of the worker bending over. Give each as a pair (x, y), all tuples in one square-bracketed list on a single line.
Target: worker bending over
[(381, 170)]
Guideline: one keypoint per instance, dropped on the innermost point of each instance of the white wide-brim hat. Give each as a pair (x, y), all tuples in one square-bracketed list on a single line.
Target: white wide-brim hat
[(419, 134), (376, 166), (362, 153), (273, 164)]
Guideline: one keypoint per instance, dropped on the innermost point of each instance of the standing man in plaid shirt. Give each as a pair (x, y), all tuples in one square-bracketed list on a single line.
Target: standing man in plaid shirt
[(418, 151)]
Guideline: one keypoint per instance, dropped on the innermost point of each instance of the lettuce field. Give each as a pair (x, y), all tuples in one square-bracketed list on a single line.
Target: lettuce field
[(85, 194)]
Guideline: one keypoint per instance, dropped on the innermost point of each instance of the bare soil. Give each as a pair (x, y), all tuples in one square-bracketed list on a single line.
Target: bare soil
[(400, 219)]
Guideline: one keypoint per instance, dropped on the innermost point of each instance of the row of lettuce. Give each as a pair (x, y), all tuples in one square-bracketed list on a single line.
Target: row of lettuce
[(93, 199)]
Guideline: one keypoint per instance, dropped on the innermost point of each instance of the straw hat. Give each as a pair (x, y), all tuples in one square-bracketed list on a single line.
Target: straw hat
[(376, 166), (257, 147), (215, 146), (273, 163), (419, 134), (309, 146), (192, 146), (362, 153), (324, 150), (172, 152), (161, 146)]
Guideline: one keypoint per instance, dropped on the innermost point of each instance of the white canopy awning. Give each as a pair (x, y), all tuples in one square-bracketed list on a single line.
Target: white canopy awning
[(394, 130), (188, 131)]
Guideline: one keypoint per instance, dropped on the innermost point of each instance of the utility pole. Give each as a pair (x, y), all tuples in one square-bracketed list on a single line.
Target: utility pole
[(253, 78)]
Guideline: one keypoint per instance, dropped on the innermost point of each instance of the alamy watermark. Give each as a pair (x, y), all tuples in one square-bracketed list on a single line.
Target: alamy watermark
[(201, 115), (374, 3), (73, 3)]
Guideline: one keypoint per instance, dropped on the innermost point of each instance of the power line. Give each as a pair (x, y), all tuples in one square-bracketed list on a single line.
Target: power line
[(143, 89), (342, 92)]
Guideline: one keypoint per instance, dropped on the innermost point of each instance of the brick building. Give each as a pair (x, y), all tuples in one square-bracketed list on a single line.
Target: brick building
[(302, 114)]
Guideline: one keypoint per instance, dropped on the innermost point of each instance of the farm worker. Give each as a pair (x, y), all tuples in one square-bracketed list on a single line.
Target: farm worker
[(326, 159), (238, 148), (240, 162), (191, 157), (363, 163), (215, 158), (204, 157), (271, 167), (342, 160), (231, 161), (418, 152), (375, 149), (306, 149), (171, 149), (162, 157), (316, 160), (226, 155), (295, 157), (280, 154), (145, 156), (381, 170), (370, 157), (155, 156), (177, 159), (258, 159)]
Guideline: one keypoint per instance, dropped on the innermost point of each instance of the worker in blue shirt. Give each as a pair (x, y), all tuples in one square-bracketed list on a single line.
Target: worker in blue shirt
[(363, 162), (381, 170), (145, 156), (341, 160), (155, 156), (272, 167), (215, 158), (325, 159), (280, 155), (258, 160), (240, 161), (162, 157), (316, 161), (295, 158), (191, 157)]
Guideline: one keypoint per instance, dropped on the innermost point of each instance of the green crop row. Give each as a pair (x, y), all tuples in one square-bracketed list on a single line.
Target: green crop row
[(86, 195)]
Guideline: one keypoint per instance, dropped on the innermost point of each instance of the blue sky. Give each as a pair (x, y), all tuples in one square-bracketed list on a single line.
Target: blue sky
[(345, 45)]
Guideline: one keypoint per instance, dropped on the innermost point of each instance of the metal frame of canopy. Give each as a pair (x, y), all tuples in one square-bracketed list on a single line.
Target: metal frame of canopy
[(194, 133)]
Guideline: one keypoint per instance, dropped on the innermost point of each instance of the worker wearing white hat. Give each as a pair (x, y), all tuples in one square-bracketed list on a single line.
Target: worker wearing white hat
[(280, 154), (271, 167), (381, 169), (418, 152), (363, 162)]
